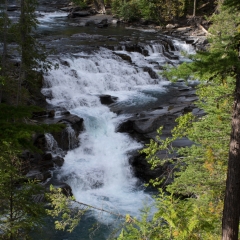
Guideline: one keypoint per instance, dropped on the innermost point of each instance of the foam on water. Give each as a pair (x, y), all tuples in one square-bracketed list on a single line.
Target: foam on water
[(183, 49), (46, 19), (98, 171)]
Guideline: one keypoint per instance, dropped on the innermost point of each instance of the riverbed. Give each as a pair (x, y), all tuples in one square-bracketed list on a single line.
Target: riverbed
[(124, 63)]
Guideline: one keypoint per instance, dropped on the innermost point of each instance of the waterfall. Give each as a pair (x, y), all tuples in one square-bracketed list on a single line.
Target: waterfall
[(52, 145), (98, 171), (72, 138)]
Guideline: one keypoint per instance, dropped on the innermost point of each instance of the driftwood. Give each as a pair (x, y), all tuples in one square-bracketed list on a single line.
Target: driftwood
[(203, 29)]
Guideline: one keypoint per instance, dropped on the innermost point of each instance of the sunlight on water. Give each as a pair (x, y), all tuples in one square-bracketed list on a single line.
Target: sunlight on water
[(98, 171)]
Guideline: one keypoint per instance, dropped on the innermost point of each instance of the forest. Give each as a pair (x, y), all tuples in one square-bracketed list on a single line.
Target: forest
[(202, 202)]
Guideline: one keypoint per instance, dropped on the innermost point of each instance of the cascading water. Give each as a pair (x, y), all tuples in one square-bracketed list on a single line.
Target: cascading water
[(72, 138), (98, 170), (52, 145)]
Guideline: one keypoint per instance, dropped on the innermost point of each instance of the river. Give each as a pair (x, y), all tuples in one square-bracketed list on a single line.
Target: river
[(105, 61)]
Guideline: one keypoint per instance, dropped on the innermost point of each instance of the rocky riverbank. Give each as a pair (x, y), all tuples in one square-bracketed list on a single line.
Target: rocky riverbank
[(142, 125)]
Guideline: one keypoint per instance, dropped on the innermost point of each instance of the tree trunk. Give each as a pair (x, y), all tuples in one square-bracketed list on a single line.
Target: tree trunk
[(231, 211), (194, 8)]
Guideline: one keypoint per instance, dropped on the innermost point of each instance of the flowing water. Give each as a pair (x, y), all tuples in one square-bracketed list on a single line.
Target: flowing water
[(98, 171)]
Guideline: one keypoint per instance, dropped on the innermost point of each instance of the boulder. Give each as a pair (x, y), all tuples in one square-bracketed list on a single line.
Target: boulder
[(66, 189), (103, 23), (47, 156), (133, 48), (58, 161), (79, 14), (142, 169), (68, 138), (151, 72), (107, 99), (124, 56), (170, 26), (75, 122)]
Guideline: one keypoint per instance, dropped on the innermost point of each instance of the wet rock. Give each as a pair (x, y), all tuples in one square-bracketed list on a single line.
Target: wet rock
[(133, 48), (152, 73), (47, 156), (124, 57), (142, 169), (39, 141), (107, 99), (151, 124), (79, 14), (75, 122), (103, 23), (65, 63), (126, 126), (190, 40), (11, 8), (170, 55), (51, 113), (68, 138), (58, 161), (45, 166), (66, 189)]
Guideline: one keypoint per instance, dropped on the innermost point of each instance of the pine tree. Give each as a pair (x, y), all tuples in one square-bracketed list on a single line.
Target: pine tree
[(33, 54), (19, 214), (200, 171)]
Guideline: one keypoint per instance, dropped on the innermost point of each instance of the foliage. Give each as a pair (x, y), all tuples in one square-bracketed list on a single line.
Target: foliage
[(81, 3), (175, 219), (159, 11), (63, 209), (16, 126), (19, 213), (193, 208), (128, 10)]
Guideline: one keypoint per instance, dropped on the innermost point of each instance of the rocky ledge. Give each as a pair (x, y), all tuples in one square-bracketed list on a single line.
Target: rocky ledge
[(143, 126), (52, 147)]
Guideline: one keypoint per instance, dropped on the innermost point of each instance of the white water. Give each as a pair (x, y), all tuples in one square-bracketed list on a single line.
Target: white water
[(52, 145), (98, 170)]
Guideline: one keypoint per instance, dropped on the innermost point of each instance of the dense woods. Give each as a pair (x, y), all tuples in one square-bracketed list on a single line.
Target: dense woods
[(158, 11), (199, 203)]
